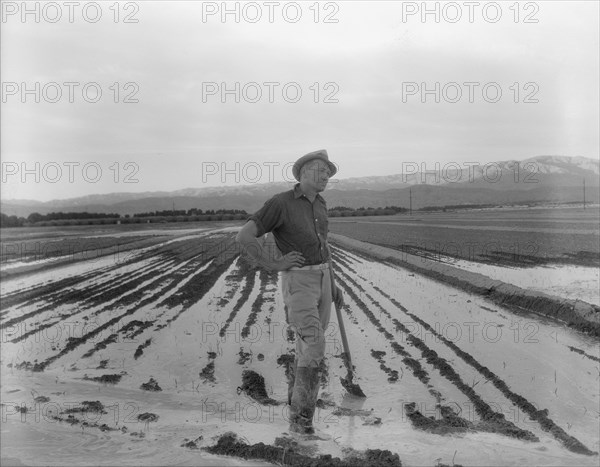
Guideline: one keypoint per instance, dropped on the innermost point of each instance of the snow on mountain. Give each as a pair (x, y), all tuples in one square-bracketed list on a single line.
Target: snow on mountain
[(545, 174)]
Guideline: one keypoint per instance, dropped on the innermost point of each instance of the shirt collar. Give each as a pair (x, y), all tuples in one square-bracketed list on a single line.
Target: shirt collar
[(298, 192)]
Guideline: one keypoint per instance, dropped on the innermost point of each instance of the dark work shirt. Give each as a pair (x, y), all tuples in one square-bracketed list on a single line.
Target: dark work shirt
[(296, 223)]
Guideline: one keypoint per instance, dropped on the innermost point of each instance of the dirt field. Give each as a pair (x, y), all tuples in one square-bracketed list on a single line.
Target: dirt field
[(139, 356), (510, 237)]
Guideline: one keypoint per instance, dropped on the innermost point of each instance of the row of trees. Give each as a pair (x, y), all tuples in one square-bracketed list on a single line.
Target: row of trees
[(35, 218), (190, 212), (14, 221), (11, 221), (55, 216), (91, 218), (191, 215), (342, 211), (457, 207)]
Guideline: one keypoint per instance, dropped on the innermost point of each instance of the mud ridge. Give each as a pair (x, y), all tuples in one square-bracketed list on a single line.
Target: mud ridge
[(87, 298), (337, 258), (342, 253), (579, 351), (392, 374), (284, 454), (253, 385), (449, 422), (250, 276), (232, 281), (132, 325), (135, 294), (96, 294), (107, 246), (104, 379), (256, 307), (74, 342), (244, 356), (496, 422), (151, 385), (576, 314), (208, 372), (43, 291), (541, 416), (195, 289), (101, 345), (140, 349), (410, 362), (87, 406)]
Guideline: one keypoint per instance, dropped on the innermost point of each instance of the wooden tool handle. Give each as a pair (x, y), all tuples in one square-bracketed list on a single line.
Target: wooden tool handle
[(338, 311)]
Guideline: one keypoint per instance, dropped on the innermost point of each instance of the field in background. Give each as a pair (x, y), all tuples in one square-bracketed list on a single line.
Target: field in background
[(514, 237), (24, 250)]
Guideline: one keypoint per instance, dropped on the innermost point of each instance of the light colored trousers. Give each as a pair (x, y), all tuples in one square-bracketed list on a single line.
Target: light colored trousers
[(307, 297)]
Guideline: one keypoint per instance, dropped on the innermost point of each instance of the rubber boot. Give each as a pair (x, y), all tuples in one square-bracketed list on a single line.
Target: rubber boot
[(304, 399), (291, 375)]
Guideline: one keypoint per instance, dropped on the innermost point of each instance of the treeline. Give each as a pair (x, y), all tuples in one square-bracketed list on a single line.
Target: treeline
[(87, 218), (194, 214), (56, 216), (11, 221), (454, 207), (36, 218), (342, 211), (190, 215), (191, 212)]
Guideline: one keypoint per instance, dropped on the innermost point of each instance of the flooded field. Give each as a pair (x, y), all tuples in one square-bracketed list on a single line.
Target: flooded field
[(137, 356), (508, 237)]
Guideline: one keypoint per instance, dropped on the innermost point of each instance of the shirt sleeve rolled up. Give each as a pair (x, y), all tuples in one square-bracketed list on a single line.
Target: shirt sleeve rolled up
[(269, 217)]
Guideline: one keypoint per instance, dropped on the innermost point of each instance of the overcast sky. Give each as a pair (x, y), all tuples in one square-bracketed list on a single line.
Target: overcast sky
[(367, 71)]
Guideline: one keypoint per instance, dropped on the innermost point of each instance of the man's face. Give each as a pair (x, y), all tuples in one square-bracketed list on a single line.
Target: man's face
[(315, 174)]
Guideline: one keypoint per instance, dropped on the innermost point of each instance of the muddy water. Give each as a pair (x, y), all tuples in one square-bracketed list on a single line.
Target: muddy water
[(532, 356), (36, 439), (565, 281)]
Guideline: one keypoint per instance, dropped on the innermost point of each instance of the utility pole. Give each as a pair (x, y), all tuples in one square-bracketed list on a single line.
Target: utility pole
[(584, 193), (410, 201)]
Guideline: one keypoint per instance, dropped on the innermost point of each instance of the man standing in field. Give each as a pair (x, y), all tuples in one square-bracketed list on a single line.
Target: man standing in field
[(298, 220)]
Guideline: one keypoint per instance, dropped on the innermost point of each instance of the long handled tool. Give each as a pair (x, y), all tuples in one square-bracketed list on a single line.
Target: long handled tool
[(351, 387)]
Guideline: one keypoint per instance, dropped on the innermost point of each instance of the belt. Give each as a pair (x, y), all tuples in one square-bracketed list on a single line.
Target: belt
[(312, 267)]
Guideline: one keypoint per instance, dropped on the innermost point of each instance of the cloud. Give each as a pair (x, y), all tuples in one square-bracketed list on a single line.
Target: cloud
[(364, 61)]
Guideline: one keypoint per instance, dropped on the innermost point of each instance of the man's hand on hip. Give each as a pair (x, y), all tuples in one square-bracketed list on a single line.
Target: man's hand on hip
[(293, 259)]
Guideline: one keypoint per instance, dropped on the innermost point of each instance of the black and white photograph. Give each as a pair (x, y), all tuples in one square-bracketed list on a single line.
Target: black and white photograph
[(300, 233)]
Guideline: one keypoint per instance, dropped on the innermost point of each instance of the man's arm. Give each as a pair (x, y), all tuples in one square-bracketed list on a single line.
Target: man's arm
[(247, 238)]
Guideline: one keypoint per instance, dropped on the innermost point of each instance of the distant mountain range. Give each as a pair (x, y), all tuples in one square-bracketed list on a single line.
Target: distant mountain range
[(534, 180)]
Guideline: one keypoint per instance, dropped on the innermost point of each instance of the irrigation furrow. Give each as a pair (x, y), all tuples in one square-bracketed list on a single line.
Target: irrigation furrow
[(157, 289), (152, 302), (541, 416), (407, 358), (55, 287), (266, 278), (492, 421), (249, 277), (101, 307), (45, 290), (74, 342), (144, 283), (97, 294), (190, 289), (58, 294)]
